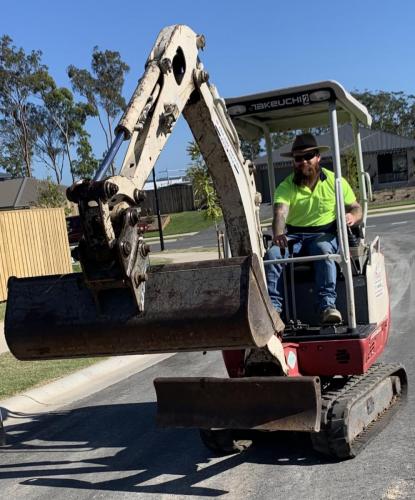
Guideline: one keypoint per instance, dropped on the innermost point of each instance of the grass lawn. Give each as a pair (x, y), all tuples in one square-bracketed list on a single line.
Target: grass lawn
[(18, 376), (185, 222)]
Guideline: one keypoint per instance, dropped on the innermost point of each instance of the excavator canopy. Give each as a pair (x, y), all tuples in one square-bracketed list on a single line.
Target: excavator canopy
[(300, 107)]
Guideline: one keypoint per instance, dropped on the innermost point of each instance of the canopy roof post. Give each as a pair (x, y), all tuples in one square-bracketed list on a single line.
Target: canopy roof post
[(341, 217), (361, 170), (271, 173)]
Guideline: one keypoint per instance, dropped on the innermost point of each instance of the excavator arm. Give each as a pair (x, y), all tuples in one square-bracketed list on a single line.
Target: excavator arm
[(174, 82), (120, 305)]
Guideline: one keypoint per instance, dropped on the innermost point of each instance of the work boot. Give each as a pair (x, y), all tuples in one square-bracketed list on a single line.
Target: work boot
[(330, 316)]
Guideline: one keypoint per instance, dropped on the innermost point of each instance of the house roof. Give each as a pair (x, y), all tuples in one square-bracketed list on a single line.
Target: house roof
[(22, 192), (18, 193), (372, 141)]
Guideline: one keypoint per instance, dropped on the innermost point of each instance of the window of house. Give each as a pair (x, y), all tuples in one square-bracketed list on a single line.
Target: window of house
[(392, 167)]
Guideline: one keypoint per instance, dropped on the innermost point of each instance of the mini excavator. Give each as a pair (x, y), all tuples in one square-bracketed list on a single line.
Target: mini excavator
[(293, 377)]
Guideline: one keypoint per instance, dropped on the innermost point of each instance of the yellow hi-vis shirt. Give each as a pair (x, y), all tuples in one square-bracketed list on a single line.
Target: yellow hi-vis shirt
[(312, 208)]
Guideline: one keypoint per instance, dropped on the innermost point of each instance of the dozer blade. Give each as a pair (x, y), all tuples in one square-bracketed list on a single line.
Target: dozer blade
[(194, 306), (266, 403)]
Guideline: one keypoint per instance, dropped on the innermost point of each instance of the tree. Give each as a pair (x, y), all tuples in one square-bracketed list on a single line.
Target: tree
[(350, 171), (60, 125), (50, 195), (203, 188), (392, 112), (281, 138), (11, 154), (250, 149), (22, 78), (102, 88), (85, 166), (49, 148)]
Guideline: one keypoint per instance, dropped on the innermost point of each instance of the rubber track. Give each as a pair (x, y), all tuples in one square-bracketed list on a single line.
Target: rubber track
[(333, 437)]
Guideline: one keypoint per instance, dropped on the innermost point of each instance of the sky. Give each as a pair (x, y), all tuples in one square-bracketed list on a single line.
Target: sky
[(251, 46)]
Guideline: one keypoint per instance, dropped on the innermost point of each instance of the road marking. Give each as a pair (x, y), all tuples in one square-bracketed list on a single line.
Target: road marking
[(396, 223), (374, 225)]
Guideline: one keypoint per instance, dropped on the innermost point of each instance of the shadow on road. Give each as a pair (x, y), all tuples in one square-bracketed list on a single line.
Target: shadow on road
[(119, 448)]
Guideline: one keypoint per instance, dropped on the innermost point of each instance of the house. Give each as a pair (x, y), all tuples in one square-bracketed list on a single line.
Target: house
[(23, 192), (18, 193), (388, 158)]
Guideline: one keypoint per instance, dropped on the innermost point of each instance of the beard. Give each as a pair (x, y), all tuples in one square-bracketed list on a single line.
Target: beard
[(304, 176)]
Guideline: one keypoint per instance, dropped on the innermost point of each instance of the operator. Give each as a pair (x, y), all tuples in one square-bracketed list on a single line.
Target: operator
[(305, 216)]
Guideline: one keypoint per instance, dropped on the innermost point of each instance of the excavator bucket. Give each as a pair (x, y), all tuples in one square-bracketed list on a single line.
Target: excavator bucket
[(263, 403), (218, 304)]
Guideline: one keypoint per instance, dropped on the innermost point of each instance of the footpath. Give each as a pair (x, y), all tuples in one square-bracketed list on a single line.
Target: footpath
[(3, 345), (51, 396)]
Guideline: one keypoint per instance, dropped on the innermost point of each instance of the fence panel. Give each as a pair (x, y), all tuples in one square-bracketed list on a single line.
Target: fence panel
[(172, 199), (32, 243)]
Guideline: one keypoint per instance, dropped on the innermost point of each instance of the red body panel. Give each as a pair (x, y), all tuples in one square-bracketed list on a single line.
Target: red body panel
[(340, 357), (332, 357), (343, 357), (291, 357), (234, 362)]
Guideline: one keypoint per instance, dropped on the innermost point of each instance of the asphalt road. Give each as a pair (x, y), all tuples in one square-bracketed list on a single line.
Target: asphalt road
[(107, 445), (207, 238)]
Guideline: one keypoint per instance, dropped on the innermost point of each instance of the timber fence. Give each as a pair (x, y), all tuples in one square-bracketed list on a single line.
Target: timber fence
[(172, 199), (32, 243)]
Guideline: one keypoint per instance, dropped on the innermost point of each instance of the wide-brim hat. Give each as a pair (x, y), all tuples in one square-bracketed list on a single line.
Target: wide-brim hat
[(304, 143)]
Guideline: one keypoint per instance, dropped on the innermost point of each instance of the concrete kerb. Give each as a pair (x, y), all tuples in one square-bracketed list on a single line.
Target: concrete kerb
[(47, 398), (3, 344), (170, 236)]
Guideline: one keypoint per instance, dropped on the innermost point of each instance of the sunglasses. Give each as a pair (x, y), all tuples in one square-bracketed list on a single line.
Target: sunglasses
[(306, 157)]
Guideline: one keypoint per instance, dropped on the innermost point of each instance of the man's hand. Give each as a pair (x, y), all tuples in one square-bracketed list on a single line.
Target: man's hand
[(278, 225), (351, 219), (280, 240), (353, 214)]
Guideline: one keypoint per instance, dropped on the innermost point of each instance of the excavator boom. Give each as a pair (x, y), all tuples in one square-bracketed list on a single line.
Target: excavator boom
[(120, 305)]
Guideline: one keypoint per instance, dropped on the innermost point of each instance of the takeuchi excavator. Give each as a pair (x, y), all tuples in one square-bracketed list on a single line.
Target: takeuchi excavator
[(297, 376)]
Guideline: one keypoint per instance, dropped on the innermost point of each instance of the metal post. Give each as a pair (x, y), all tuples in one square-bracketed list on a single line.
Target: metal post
[(158, 211), (226, 246), (361, 169), (271, 174), (341, 218)]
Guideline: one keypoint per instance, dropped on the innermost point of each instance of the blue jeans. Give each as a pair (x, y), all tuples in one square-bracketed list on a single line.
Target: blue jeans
[(324, 270)]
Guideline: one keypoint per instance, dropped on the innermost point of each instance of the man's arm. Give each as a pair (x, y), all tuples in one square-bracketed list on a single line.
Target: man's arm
[(354, 213), (278, 225)]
